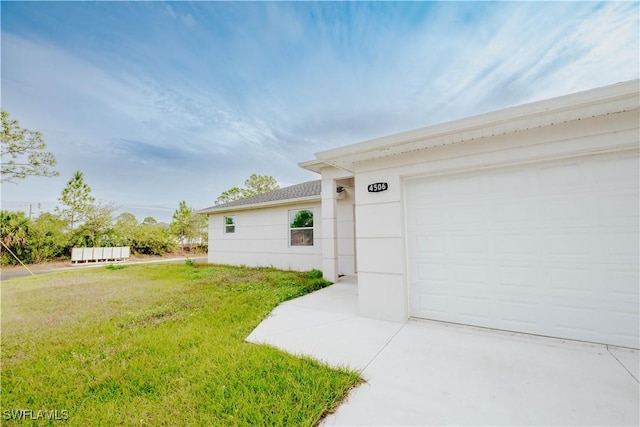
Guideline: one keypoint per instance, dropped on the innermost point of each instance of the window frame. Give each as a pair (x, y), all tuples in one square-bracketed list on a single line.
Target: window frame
[(290, 216), (227, 226)]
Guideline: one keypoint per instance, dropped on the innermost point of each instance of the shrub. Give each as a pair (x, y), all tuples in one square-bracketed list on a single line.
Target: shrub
[(15, 228), (315, 274)]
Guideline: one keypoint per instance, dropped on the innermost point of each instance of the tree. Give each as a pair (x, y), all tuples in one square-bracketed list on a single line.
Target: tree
[(149, 221), (188, 226), (126, 221), (23, 152), (259, 184), (181, 224), (14, 234), (126, 218), (303, 218), (47, 238), (77, 197), (126, 227), (147, 237), (254, 185), (153, 238), (230, 195), (97, 227)]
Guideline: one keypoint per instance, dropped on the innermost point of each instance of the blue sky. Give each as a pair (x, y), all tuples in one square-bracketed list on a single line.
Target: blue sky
[(157, 102)]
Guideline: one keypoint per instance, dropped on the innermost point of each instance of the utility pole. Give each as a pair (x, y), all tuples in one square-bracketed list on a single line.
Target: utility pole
[(30, 206)]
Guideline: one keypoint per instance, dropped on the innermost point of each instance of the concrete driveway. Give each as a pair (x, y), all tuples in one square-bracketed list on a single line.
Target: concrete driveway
[(431, 373)]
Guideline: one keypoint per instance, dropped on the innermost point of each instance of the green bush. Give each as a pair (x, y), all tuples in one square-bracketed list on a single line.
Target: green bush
[(315, 274), (15, 229), (48, 237), (152, 239)]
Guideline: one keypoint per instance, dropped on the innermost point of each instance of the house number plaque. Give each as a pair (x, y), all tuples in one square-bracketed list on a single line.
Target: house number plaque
[(378, 187)]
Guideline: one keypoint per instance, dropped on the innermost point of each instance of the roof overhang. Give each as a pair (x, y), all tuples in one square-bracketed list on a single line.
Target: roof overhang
[(275, 203), (591, 103)]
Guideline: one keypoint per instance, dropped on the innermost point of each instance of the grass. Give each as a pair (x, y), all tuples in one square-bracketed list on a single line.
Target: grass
[(158, 344)]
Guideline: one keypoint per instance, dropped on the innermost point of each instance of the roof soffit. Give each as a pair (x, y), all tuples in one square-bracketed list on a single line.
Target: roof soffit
[(596, 102)]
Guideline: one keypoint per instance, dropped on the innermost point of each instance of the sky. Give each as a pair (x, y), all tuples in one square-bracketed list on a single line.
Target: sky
[(158, 102)]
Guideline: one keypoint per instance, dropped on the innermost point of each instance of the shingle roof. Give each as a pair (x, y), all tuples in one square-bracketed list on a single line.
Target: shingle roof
[(298, 191)]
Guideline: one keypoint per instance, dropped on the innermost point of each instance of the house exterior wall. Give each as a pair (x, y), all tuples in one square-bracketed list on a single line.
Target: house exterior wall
[(338, 224), (261, 238), (346, 232), (380, 217)]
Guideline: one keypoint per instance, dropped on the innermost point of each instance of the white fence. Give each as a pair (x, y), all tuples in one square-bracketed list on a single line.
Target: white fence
[(100, 254)]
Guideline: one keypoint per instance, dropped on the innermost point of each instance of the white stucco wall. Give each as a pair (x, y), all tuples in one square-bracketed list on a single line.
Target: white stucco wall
[(346, 233), (261, 238), (380, 240), (338, 252)]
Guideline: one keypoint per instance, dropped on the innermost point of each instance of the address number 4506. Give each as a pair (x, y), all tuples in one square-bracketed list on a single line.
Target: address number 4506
[(377, 187)]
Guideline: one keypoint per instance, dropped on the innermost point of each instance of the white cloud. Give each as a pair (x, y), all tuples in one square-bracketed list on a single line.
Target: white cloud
[(188, 20), (265, 90), (170, 12)]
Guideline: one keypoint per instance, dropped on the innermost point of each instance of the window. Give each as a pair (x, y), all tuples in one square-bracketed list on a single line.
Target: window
[(301, 227), (229, 224)]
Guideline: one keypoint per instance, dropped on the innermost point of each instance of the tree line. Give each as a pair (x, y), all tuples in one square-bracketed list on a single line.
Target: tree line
[(81, 221)]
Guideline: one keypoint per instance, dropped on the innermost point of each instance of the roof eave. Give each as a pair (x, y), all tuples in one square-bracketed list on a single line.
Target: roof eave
[(313, 165), (274, 203), (619, 97)]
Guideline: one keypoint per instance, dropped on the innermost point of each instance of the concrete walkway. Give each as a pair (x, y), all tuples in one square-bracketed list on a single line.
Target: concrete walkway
[(431, 373)]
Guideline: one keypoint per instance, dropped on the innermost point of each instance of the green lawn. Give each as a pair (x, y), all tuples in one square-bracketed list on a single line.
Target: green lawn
[(157, 345)]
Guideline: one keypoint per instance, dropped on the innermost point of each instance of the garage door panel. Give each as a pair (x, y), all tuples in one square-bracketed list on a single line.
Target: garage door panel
[(561, 177), (514, 212), (620, 247), (467, 214), (509, 181), (462, 186), (613, 174), (470, 244), (473, 309), (574, 319), (518, 278), (477, 275), (624, 325), (569, 245), (430, 245), (435, 305), (519, 314), (424, 194), (622, 284), (428, 216), (618, 210), (566, 211), (431, 273), (515, 244), (573, 282), (549, 248)]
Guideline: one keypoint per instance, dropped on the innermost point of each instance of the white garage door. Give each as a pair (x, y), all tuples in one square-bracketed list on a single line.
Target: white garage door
[(548, 248)]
